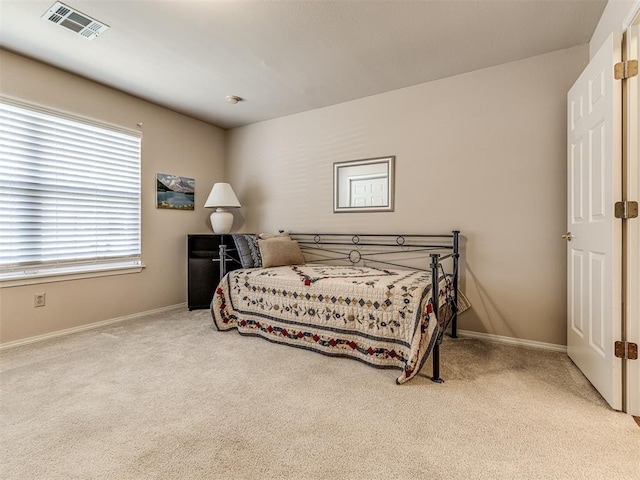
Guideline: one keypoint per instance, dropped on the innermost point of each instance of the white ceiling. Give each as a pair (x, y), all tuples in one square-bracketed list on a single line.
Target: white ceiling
[(284, 57)]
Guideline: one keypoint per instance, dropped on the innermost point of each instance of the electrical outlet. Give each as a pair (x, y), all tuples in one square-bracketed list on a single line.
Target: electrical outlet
[(39, 300)]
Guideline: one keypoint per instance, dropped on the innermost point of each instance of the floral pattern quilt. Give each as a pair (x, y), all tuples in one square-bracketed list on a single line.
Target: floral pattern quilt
[(382, 317)]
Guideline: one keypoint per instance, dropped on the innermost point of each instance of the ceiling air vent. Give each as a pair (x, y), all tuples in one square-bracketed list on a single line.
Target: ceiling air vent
[(63, 15)]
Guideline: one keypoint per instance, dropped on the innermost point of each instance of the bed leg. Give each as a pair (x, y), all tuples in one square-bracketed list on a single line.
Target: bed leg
[(456, 257), (454, 323), (435, 281), (436, 364)]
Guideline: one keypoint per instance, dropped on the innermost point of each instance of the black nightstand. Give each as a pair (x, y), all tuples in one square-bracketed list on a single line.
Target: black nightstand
[(203, 269)]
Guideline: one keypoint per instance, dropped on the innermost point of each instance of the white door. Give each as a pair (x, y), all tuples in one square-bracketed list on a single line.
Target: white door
[(369, 191), (594, 254), (633, 225)]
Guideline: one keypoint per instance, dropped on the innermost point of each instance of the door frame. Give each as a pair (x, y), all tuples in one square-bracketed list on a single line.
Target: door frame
[(631, 227)]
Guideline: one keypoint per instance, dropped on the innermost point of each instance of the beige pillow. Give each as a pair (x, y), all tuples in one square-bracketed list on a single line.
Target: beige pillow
[(275, 236), (278, 253)]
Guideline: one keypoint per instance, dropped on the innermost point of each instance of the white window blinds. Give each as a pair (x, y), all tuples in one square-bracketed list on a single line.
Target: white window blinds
[(69, 193)]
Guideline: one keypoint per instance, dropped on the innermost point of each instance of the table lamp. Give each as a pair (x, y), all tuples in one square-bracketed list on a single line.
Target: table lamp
[(221, 198)]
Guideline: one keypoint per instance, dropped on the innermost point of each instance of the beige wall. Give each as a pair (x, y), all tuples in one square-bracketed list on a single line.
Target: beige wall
[(172, 143), (497, 136), (483, 152)]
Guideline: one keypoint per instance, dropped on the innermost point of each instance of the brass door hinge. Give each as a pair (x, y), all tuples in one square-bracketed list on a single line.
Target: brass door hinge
[(626, 350), (626, 209), (626, 69)]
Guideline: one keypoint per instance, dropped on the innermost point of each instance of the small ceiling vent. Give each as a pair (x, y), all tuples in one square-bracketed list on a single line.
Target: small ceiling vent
[(63, 15)]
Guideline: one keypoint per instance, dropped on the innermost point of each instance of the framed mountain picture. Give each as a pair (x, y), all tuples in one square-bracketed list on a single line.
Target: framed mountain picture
[(174, 192)]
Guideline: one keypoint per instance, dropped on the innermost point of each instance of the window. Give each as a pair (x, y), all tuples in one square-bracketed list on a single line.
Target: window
[(69, 194)]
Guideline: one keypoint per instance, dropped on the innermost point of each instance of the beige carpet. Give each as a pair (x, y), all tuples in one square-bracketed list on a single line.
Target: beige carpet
[(167, 397)]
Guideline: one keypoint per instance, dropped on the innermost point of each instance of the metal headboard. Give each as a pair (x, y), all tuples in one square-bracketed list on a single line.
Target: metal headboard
[(406, 251)]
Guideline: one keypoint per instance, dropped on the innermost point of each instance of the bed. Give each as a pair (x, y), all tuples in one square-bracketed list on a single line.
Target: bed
[(367, 297)]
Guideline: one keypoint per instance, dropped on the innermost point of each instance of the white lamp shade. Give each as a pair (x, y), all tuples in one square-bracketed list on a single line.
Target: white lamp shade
[(222, 195)]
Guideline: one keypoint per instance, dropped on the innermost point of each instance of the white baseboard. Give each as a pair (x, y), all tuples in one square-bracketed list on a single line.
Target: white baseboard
[(513, 341), (90, 326)]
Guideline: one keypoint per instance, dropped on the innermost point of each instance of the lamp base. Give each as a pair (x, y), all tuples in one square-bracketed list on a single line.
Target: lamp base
[(221, 221)]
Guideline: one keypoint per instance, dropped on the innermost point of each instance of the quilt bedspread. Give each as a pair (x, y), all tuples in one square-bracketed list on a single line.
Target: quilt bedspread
[(382, 317)]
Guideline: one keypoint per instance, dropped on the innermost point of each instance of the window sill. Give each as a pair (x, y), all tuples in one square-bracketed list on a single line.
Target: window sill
[(49, 277)]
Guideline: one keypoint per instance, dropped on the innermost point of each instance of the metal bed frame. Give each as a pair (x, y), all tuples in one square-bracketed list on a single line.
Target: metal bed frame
[(393, 250)]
